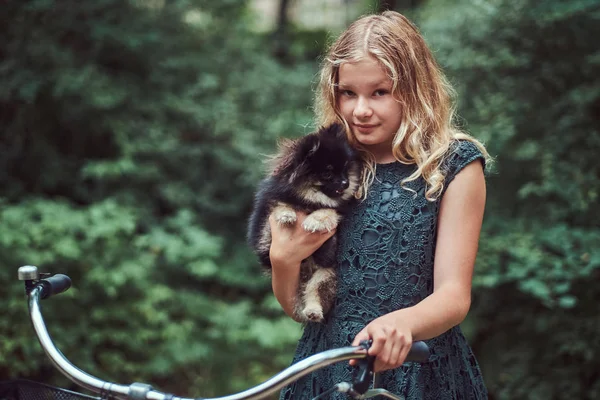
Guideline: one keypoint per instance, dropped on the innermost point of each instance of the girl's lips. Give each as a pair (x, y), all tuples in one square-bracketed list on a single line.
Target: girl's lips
[(364, 128)]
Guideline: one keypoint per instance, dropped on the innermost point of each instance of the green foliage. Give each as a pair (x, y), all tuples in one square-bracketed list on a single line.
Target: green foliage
[(132, 139), (527, 76)]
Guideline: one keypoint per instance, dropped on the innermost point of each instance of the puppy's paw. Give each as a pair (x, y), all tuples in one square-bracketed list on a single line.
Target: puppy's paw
[(284, 215), (313, 314), (321, 221)]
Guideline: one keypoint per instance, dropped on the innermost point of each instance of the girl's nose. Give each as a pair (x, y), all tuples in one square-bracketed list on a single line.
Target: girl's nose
[(363, 109)]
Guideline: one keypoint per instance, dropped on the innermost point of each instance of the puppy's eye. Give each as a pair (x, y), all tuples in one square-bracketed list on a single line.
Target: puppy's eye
[(328, 173)]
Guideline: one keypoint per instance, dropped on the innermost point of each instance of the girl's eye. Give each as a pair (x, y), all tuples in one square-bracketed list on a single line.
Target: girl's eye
[(380, 92), (347, 93)]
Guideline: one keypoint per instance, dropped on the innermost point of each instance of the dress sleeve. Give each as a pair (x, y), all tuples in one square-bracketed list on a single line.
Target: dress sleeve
[(462, 154)]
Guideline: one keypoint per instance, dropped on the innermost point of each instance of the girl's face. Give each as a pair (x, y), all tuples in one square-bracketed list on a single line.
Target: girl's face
[(365, 101)]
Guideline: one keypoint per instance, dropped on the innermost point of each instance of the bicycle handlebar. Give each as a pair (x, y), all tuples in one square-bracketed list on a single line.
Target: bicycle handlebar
[(38, 289), (55, 285), (51, 285)]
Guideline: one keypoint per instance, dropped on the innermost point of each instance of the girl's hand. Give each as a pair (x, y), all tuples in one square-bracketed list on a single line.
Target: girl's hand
[(291, 244), (391, 342)]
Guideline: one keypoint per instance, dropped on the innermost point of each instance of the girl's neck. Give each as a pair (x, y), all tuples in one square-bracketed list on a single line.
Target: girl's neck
[(382, 155)]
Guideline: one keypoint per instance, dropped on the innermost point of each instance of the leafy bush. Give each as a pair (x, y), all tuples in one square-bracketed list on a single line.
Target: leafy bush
[(132, 141)]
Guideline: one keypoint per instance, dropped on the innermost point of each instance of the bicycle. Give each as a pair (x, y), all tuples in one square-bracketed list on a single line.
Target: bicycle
[(40, 286)]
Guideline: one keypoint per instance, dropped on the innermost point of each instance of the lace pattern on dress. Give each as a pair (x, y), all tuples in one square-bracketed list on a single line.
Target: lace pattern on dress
[(385, 263)]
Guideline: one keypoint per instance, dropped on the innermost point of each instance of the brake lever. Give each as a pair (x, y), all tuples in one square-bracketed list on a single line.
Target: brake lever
[(363, 375), (380, 392), (345, 387)]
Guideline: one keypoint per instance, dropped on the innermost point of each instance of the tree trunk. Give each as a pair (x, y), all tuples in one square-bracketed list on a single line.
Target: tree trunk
[(281, 38), (385, 5)]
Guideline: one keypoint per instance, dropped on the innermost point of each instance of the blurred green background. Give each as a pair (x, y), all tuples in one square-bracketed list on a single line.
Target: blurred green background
[(132, 136)]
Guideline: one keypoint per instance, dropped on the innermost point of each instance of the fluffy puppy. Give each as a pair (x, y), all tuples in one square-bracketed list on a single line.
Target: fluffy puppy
[(319, 175)]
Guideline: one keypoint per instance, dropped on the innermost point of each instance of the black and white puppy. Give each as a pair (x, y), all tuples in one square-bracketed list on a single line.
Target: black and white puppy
[(318, 174)]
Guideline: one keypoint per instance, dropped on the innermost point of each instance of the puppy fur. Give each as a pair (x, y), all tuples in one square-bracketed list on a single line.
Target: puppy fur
[(318, 174)]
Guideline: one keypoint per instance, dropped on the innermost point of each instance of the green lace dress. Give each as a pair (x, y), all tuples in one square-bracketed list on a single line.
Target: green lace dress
[(385, 263)]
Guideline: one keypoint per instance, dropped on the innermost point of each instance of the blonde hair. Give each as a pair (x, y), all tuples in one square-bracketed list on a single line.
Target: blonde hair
[(427, 129)]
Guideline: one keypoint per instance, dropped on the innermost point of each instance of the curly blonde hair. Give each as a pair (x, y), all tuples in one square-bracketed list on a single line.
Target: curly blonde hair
[(427, 130)]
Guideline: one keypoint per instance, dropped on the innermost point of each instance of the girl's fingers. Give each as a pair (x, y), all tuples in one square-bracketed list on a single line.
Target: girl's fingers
[(404, 351), (401, 350), (290, 244), (395, 351), (379, 339), (390, 343), (362, 335)]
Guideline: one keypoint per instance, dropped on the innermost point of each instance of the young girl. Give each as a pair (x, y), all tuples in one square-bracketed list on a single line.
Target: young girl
[(407, 250)]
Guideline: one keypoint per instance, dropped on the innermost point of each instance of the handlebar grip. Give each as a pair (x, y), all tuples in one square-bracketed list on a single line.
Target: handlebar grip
[(419, 352), (55, 284)]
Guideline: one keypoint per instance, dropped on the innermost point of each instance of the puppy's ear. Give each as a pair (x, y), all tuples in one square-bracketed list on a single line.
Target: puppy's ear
[(307, 147), (290, 161), (335, 131)]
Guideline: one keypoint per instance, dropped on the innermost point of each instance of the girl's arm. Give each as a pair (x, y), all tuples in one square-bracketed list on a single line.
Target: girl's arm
[(459, 224), (289, 246)]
